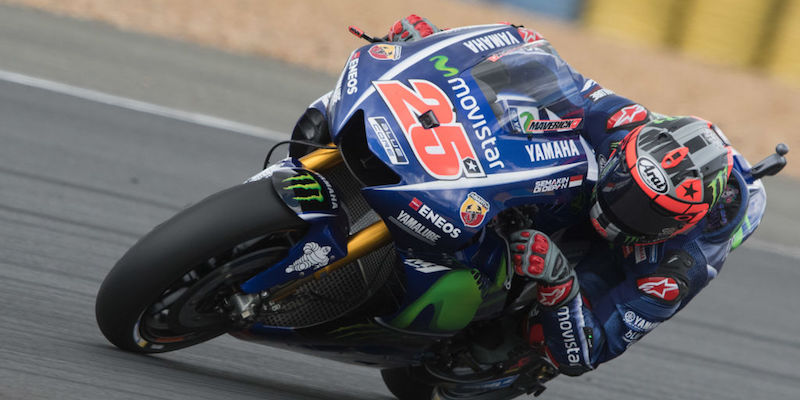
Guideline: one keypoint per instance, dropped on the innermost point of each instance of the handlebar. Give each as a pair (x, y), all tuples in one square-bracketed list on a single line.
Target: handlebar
[(771, 165)]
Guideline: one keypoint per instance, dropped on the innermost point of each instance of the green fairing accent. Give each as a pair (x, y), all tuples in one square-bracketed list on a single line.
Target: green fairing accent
[(738, 236), (718, 184), (441, 65), (455, 298), (308, 186)]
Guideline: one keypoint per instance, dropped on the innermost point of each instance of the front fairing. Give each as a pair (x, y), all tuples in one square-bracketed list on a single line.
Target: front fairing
[(488, 147), (500, 106)]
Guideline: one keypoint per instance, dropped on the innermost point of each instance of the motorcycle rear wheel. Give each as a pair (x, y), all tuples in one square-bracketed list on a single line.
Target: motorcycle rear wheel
[(164, 294)]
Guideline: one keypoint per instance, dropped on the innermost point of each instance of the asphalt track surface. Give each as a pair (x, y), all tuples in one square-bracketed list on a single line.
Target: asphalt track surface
[(82, 176)]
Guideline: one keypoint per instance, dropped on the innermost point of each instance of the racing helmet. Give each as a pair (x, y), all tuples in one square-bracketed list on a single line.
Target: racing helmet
[(661, 180)]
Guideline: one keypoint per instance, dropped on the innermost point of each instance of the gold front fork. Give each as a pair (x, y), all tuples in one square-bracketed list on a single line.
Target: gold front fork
[(359, 244), (322, 159)]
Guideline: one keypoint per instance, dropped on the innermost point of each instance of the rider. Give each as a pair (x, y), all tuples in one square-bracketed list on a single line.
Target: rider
[(667, 196), (670, 200)]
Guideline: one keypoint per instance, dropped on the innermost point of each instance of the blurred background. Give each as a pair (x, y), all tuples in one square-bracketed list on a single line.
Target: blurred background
[(734, 62), (116, 114), (761, 35)]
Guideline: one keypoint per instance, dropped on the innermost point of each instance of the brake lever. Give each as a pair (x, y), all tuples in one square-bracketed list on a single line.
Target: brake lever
[(357, 32), (771, 165)]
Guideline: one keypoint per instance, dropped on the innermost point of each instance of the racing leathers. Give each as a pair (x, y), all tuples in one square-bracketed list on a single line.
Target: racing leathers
[(626, 291)]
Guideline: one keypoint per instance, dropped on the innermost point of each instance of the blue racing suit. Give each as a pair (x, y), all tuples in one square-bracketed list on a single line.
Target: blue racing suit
[(627, 291)]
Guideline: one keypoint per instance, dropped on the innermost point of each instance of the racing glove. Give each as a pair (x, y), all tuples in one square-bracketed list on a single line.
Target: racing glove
[(535, 256), (411, 28)]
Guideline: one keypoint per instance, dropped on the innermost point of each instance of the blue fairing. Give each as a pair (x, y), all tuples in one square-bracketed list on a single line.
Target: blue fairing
[(472, 121), (506, 131)]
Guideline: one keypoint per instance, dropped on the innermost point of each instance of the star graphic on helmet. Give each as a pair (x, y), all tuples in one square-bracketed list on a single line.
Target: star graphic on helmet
[(690, 190)]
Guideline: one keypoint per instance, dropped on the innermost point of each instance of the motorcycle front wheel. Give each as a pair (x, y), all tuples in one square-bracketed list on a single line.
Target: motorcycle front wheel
[(404, 385), (169, 290)]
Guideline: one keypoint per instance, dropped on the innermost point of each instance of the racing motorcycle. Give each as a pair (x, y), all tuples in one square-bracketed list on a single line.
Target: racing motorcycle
[(380, 240)]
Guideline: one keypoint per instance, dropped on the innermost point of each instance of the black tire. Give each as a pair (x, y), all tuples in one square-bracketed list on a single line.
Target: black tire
[(404, 385), (168, 254)]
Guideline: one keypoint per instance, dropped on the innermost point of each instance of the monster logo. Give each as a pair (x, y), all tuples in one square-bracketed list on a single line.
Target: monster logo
[(305, 182), (304, 191), (717, 184)]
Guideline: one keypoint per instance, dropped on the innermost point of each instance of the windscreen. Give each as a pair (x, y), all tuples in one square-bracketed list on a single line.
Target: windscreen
[(532, 90)]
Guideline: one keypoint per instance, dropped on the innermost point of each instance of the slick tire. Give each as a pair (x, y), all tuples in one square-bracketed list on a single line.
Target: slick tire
[(171, 250), (403, 385)]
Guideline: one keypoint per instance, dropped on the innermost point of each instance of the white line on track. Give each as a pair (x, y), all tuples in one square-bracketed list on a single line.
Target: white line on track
[(232, 126), (141, 106)]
